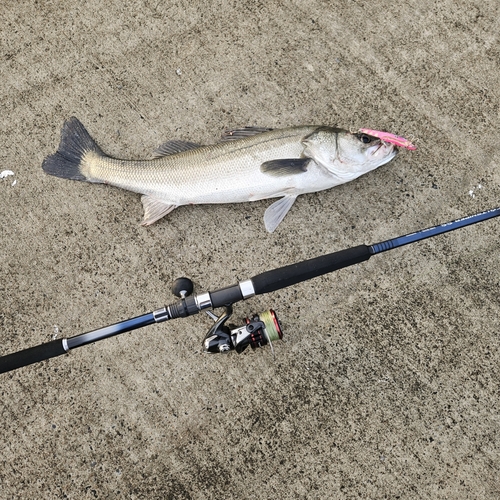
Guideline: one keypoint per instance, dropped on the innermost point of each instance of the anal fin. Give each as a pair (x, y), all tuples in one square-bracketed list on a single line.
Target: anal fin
[(154, 209), (276, 212)]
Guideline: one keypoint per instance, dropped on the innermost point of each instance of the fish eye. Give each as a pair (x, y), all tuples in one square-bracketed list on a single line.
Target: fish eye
[(365, 139)]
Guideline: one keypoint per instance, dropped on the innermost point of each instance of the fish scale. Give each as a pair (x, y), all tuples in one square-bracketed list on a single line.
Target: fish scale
[(209, 174)]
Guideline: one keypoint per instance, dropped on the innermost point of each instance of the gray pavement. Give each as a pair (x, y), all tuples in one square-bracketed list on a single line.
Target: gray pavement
[(388, 383)]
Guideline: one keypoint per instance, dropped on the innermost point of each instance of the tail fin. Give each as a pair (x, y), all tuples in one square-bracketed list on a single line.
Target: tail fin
[(75, 144)]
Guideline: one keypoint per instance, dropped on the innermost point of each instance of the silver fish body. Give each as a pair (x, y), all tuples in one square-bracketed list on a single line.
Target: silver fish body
[(249, 164)]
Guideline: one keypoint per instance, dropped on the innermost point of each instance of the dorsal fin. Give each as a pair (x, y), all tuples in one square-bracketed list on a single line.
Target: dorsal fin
[(241, 133), (173, 147)]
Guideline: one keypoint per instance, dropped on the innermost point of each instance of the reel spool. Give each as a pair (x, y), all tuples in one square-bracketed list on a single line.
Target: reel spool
[(259, 330)]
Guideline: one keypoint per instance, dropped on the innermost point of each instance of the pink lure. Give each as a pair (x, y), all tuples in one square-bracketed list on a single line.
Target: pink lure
[(388, 137)]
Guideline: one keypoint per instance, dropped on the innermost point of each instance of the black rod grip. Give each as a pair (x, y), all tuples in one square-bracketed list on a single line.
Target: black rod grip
[(227, 295), (282, 277), (31, 355)]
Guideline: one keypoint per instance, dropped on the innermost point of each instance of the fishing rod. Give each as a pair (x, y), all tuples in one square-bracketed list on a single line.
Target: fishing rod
[(258, 330)]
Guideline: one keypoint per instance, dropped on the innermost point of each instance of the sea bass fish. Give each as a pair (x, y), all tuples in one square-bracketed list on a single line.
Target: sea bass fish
[(249, 164)]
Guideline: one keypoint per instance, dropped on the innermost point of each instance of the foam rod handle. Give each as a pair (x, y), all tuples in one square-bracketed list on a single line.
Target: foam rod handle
[(31, 355), (282, 277)]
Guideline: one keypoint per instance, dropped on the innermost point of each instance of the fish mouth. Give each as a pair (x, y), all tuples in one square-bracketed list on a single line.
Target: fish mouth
[(383, 153), (392, 150)]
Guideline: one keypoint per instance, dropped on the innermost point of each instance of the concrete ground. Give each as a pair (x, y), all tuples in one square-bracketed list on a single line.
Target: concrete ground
[(388, 383)]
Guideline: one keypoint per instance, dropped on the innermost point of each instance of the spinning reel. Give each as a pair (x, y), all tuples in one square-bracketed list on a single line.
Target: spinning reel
[(259, 330)]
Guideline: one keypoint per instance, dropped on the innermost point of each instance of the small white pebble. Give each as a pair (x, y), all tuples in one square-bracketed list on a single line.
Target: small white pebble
[(6, 173), (14, 183), (178, 71), (471, 194)]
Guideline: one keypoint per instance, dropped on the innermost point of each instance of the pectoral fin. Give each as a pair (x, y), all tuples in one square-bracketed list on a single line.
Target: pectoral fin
[(276, 212), (286, 166), (154, 209)]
